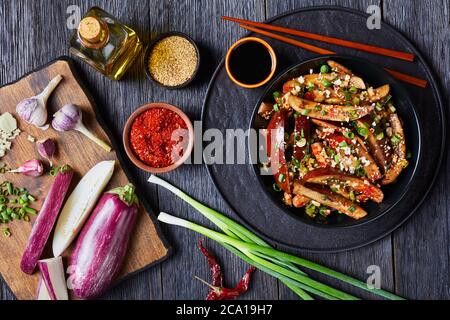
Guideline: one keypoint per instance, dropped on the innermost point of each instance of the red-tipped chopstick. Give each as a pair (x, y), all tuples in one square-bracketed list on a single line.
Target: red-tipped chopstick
[(396, 74), (336, 41)]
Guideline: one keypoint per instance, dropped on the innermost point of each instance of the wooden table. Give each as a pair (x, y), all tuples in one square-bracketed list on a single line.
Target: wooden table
[(414, 260)]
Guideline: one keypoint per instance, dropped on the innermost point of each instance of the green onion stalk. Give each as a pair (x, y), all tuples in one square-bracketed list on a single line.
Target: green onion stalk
[(228, 226), (252, 249)]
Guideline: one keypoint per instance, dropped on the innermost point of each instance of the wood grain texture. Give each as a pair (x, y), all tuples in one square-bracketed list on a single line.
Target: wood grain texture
[(40, 31), (74, 149), (421, 246)]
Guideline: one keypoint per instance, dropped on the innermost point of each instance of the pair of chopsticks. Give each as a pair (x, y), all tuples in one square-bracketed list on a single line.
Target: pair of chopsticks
[(406, 56)]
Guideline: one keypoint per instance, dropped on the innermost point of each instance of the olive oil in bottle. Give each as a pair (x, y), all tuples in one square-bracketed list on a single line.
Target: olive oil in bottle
[(106, 44)]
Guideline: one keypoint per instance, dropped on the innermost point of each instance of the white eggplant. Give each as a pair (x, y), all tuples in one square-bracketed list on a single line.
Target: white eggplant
[(80, 204), (42, 292), (52, 271)]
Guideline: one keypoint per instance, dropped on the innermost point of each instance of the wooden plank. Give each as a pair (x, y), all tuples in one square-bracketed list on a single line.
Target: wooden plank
[(48, 37), (355, 262), (213, 37), (421, 246)]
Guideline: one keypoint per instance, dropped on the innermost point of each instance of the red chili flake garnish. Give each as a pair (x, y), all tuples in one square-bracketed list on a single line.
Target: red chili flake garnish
[(218, 292), (153, 137)]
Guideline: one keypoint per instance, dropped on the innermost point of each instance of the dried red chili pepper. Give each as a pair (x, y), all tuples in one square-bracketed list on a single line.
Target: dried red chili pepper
[(216, 270), (218, 292)]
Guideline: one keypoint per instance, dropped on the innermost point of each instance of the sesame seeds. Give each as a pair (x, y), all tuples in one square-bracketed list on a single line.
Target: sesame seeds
[(172, 61)]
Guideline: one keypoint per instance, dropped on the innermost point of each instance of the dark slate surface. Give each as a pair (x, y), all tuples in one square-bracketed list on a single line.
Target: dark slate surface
[(414, 260)]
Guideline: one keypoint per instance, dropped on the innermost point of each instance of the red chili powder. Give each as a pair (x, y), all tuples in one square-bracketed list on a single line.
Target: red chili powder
[(151, 136)]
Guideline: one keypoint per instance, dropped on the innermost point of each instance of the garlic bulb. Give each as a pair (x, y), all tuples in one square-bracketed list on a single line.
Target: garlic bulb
[(70, 118), (34, 110)]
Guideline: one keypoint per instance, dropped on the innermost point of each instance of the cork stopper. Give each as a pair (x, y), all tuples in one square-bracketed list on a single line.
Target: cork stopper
[(93, 32)]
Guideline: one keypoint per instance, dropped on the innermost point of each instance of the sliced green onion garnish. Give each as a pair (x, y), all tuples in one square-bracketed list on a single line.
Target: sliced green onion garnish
[(305, 112), (324, 69), (281, 178), (349, 134), (380, 136), (362, 131), (347, 95), (395, 140), (326, 83), (276, 187), (353, 89)]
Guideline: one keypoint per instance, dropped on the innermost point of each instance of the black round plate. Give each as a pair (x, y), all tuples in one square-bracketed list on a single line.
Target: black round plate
[(375, 76), (227, 106)]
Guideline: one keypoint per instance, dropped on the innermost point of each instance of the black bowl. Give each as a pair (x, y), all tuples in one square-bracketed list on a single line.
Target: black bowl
[(154, 42), (375, 76)]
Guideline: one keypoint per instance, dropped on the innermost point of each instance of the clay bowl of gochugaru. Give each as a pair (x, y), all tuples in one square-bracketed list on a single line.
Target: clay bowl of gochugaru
[(158, 137)]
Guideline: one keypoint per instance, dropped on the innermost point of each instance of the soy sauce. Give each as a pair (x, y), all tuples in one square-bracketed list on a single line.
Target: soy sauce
[(250, 62)]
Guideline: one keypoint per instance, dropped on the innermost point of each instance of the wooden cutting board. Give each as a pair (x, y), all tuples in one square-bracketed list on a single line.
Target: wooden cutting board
[(146, 247)]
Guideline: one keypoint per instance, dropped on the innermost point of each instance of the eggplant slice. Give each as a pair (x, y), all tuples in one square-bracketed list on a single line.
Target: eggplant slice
[(328, 112), (330, 199), (399, 161)]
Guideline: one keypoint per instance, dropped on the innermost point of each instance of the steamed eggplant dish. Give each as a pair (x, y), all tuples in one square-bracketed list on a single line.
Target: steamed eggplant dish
[(332, 142)]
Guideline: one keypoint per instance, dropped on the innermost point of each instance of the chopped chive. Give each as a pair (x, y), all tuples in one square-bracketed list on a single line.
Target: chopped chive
[(30, 210), (6, 232), (275, 107), (10, 188), (281, 178)]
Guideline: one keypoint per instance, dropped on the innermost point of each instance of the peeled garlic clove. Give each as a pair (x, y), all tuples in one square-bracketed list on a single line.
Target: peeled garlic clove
[(32, 168), (46, 148)]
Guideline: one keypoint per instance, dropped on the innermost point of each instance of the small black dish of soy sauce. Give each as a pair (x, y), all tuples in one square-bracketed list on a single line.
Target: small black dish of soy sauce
[(250, 62)]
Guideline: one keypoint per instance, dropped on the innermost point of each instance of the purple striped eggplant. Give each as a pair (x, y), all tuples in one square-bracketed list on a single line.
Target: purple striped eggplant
[(46, 220), (102, 244)]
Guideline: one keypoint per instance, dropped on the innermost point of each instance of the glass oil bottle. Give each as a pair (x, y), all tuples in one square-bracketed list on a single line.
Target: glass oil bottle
[(106, 44)]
